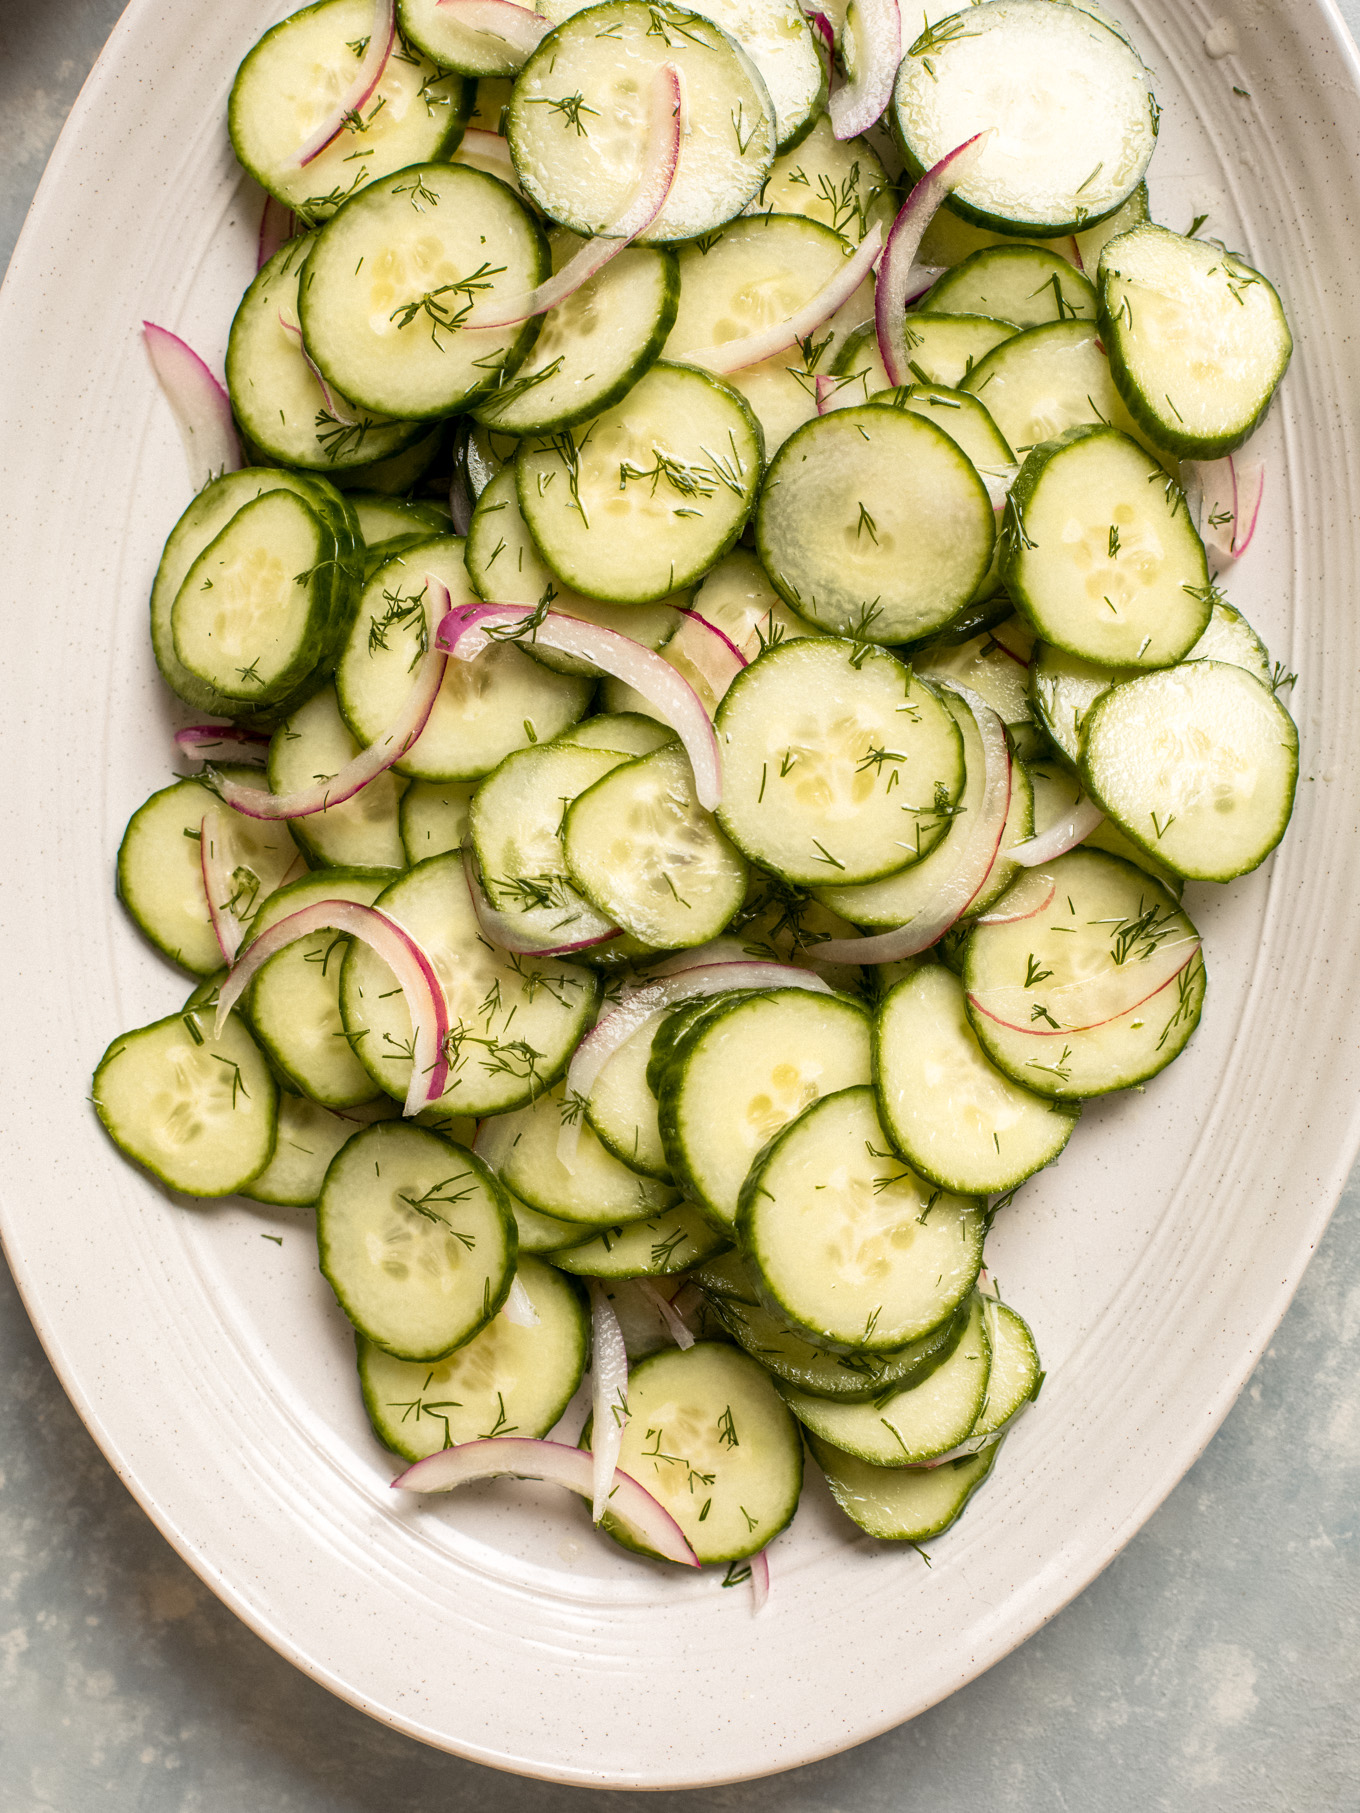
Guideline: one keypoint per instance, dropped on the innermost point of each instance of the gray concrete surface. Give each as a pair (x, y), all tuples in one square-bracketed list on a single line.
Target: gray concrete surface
[(1213, 1667)]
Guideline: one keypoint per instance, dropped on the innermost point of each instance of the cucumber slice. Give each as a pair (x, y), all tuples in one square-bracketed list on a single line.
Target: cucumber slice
[(294, 1001), (309, 1138), (576, 112), (846, 496), (751, 276), (197, 1111), (742, 1075), (594, 345), (277, 397), (433, 817), (1018, 829), (647, 496), (1092, 241), (649, 858), (847, 1244), (438, 33), (776, 37), (1105, 919), (901, 1504), (540, 1233), (287, 85), (785, 925), (362, 832), (846, 1378), (380, 518), (1064, 687), (1015, 1377), (837, 761), (737, 598), (952, 1115), (676, 1026), (942, 349), (987, 666), (961, 416), (622, 1108), (1197, 765), (160, 870), (1057, 790), (1099, 553), (912, 1425), (1026, 284), (392, 277), (514, 1021), (508, 1380), (708, 1437), (1198, 340), (1040, 382), (515, 825), (522, 1147), (625, 731), (659, 1247), (416, 1239), (839, 182), (1070, 100), (485, 708)]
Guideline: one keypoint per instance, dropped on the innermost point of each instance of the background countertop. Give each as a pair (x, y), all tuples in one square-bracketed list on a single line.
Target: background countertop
[(1214, 1665)]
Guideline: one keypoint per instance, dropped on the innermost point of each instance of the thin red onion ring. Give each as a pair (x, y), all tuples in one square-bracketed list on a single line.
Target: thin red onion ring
[(199, 404), (904, 239), (760, 1581), (501, 928), (676, 1327), (1079, 1006), (645, 1520), (404, 956), (964, 884), (334, 406), (1029, 895), (856, 105), (1249, 484), (214, 859), (519, 26), (382, 35), (750, 349), (608, 1396), (660, 161), (1079, 823), (464, 634), (195, 738)]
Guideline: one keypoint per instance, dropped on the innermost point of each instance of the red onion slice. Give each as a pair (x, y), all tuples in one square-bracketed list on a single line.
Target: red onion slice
[(1030, 895), (760, 1582), (465, 632), (714, 659), (717, 950), (1249, 484), (381, 37), (1092, 1000), (966, 881), (503, 931), (215, 858), (399, 950), (200, 406), (519, 26), (675, 1323), (258, 802), (1079, 823), (824, 29), (195, 739), (519, 1306), (904, 239), (878, 51), (608, 1396), (644, 1520), (750, 349), (277, 226), (334, 405), (660, 161)]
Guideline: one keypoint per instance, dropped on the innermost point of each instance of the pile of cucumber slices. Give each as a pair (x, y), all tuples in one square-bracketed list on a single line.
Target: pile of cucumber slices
[(732, 750)]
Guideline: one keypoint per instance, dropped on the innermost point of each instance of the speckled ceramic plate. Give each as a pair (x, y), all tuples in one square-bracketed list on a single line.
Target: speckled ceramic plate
[(206, 1355)]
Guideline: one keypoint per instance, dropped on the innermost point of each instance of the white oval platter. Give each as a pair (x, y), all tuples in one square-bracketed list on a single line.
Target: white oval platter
[(209, 1361)]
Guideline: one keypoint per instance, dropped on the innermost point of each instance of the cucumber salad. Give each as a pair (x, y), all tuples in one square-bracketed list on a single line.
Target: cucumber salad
[(702, 622)]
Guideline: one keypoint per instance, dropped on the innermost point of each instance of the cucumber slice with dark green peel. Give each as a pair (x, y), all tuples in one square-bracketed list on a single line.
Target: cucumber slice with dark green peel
[(1070, 100), (1197, 765), (744, 1074), (961, 416), (659, 1247), (1024, 284), (1057, 791), (293, 1003), (737, 598), (361, 833), (287, 85), (523, 1147), (675, 1027), (594, 345), (308, 1139), (584, 94), (382, 518), (1197, 339), (847, 1378), (275, 394), (545, 1234), (399, 473), (416, 1239), (507, 1380), (197, 1111), (1107, 920), (628, 732), (987, 665), (1064, 687), (752, 275), (433, 817), (901, 1504), (941, 349), (644, 498), (873, 523), (622, 1108), (709, 1438), (853, 1249), (394, 275), (839, 764), (513, 1021), (906, 1427), (1015, 1377), (484, 709), (160, 868), (1099, 553), (952, 1115), (1041, 382), (439, 33), (840, 183), (649, 858)]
